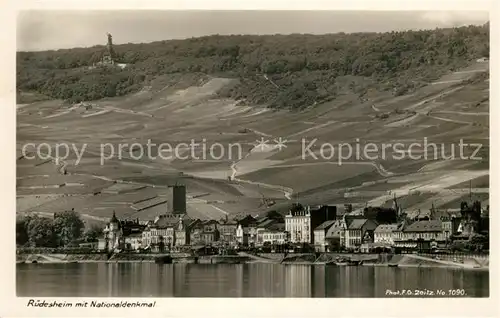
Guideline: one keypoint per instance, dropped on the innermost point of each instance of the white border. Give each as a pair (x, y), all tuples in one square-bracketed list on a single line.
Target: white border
[(10, 305)]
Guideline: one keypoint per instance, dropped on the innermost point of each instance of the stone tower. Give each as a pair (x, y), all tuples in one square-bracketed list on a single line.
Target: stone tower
[(176, 202)]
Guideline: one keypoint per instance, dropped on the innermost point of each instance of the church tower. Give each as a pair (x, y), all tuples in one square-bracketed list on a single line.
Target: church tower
[(114, 230)]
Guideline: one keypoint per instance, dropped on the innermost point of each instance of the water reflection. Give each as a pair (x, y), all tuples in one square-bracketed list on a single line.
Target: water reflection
[(242, 280)]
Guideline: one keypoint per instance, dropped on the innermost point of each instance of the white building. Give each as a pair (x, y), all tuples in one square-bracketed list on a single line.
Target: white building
[(386, 234), (161, 231), (274, 234), (298, 224), (242, 235), (424, 230), (113, 235), (133, 241)]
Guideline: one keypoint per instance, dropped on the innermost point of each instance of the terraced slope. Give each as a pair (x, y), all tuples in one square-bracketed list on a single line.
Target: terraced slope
[(452, 108)]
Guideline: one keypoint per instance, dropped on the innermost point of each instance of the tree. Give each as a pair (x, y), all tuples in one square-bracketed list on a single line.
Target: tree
[(67, 227), (477, 243), (41, 232), (274, 215), (93, 234), (21, 231)]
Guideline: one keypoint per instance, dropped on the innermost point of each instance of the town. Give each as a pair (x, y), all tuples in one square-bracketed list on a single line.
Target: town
[(303, 229)]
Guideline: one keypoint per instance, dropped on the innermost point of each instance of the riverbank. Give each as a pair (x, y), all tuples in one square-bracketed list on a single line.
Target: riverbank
[(324, 259), (127, 258)]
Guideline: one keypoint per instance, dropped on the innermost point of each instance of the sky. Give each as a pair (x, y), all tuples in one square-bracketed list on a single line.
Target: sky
[(57, 29)]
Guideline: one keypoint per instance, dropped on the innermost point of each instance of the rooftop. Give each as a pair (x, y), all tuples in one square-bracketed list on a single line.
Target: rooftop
[(349, 218), (325, 225), (277, 227), (424, 226), (386, 228), (266, 223), (334, 231), (165, 220), (356, 224), (134, 235)]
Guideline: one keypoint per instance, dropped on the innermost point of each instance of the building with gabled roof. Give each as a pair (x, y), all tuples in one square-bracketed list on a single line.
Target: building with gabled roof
[(320, 232), (420, 235), (424, 227), (227, 231), (118, 234), (359, 231), (161, 232), (183, 230), (274, 234), (205, 232)]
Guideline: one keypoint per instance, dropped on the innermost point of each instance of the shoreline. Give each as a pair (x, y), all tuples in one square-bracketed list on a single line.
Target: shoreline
[(303, 259), (152, 261)]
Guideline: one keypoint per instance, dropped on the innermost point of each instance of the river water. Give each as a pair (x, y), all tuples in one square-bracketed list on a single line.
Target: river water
[(241, 280)]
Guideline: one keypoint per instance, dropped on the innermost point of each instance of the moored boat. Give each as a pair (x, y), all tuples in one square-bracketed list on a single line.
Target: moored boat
[(167, 259)]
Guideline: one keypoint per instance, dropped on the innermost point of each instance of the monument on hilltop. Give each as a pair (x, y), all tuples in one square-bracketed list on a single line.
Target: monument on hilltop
[(109, 56)]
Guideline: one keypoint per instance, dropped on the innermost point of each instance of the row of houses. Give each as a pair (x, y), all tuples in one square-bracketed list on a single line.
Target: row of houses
[(364, 234), (173, 231), (163, 233), (319, 226), (407, 231)]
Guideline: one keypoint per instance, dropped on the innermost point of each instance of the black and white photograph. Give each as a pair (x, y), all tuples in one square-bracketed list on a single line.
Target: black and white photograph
[(252, 154)]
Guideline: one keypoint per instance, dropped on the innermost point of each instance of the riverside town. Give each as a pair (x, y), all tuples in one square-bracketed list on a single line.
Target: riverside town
[(334, 154), (325, 234)]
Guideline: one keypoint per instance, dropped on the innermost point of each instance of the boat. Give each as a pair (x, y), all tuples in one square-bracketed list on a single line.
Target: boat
[(163, 259), (341, 263), (330, 263), (354, 263), (393, 265)]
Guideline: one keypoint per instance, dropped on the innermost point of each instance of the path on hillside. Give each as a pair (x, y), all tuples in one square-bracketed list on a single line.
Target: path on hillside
[(450, 120), (433, 97), (124, 111), (402, 121), (287, 192), (463, 113), (317, 126), (380, 169), (271, 81)]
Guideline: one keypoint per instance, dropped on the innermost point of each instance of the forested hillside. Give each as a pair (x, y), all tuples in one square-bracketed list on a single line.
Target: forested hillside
[(292, 71)]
